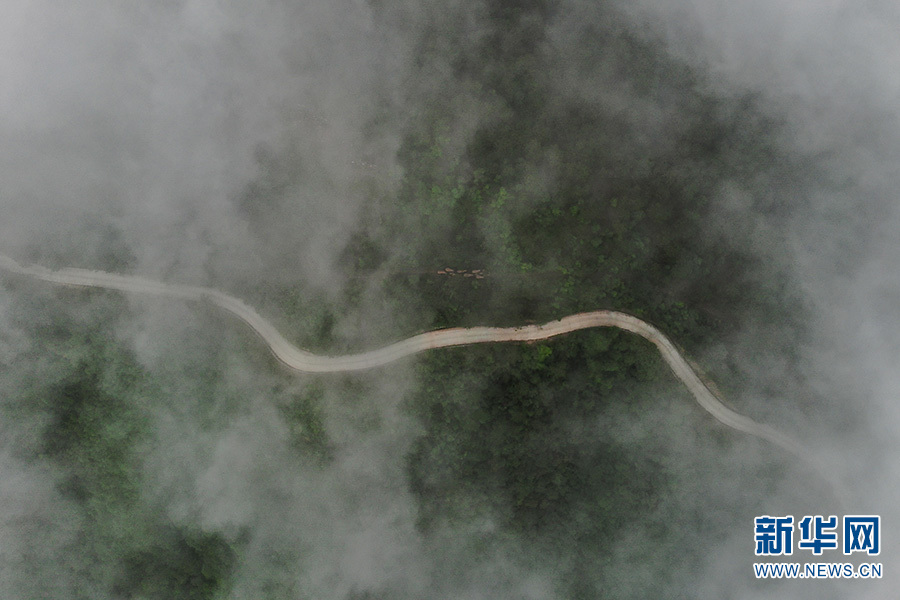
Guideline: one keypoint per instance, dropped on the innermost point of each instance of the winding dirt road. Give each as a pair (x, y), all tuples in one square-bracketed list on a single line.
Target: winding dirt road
[(307, 362)]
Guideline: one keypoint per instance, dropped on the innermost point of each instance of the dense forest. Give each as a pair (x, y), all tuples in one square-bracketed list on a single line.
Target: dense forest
[(553, 201), (560, 206)]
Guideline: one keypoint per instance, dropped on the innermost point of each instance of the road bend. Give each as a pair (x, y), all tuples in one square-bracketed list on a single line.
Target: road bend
[(306, 362)]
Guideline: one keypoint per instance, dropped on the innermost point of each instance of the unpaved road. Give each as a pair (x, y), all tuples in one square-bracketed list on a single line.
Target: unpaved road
[(307, 362)]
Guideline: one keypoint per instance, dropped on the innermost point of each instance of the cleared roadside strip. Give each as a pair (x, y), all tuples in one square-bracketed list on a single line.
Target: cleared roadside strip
[(307, 362)]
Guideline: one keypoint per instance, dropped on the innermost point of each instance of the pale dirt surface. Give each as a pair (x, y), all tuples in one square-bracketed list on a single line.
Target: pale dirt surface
[(306, 362)]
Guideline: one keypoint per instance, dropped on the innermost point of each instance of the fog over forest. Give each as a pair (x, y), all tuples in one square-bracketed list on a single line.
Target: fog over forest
[(725, 170)]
